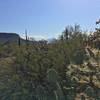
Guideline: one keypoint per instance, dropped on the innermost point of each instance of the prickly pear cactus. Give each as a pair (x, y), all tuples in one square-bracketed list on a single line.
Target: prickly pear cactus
[(52, 76), (53, 79), (59, 92), (90, 91), (41, 93)]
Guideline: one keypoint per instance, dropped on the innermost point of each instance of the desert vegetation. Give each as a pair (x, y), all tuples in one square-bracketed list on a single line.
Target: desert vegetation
[(67, 68)]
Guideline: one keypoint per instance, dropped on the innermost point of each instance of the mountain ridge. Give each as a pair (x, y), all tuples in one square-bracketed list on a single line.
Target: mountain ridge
[(8, 37)]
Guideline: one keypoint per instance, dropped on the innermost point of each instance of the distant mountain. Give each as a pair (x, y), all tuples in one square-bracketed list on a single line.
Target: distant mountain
[(6, 38), (9, 38), (50, 40)]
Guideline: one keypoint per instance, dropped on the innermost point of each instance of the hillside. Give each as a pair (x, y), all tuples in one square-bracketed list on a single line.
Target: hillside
[(8, 38)]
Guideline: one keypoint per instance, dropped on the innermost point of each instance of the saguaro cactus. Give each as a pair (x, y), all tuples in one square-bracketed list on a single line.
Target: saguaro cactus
[(19, 41)]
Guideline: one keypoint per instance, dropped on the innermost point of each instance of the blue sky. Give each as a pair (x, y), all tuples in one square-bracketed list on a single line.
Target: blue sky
[(47, 18)]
